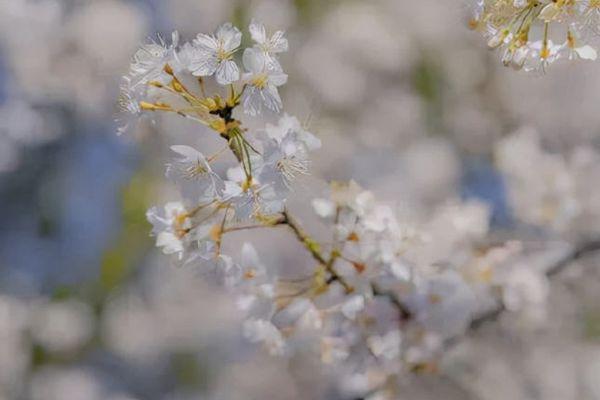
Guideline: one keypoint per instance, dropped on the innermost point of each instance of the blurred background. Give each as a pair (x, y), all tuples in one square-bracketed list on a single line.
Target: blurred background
[(407, 101)]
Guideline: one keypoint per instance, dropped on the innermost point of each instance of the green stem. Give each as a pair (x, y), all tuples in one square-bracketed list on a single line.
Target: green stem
[(313, 247)]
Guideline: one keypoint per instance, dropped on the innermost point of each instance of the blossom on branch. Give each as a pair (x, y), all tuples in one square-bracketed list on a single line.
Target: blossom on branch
[(532, 34), (381, 294)]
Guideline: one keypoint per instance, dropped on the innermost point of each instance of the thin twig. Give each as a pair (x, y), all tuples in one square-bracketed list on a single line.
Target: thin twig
[(404, 312), (313, 247)]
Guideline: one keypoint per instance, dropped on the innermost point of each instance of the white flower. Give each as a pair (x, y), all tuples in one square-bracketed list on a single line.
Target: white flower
[(284, 162), (476, 9), (311, 319), (263, 331), (516, 58), (444, 303), (542, 55), (250, 198), (334, 350), (238, 192), (63, 326), (178, 235), (286, 152), (262, 84), (184, 58), (541, 185), (256, 286), (498, 37), (170, 226), (344, 194), (228, 273), (149, 61), (386, 346), (270, 46), (551, 11), (524, 288), (192, 165), (253, 269), (576, 51), (129, 105), (383, 241), (290, 125), (590, 16), (324, 208), (353, 306), (214, 54), (585, 52), (529, 44)]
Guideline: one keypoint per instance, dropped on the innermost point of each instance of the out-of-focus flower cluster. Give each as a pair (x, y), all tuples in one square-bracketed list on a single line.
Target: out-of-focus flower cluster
[(532, 34), (50, 346), (66, 74), (551, 189)]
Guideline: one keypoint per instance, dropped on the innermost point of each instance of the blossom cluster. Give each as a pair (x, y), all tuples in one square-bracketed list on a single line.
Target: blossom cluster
[(547, 189), (383, 295), (532, 34)]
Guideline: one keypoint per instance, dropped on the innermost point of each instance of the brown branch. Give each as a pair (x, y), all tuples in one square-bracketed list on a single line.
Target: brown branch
[(313, 247), (404, 312)]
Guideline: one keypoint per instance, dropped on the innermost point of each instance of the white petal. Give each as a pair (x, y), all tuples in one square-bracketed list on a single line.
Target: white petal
[(227, 72), (254, 61), (353, 306), (278, 79), (229, 36), (272, 64), (231, 190), (188, 152), (206, 42), (262, 331), (174, 39), (279, 43), (169, 242), (236, 174), (174, 208), (587, 52), (550, 12), (324, 208), (310, 141), (158, 221), (387, 346), (252, 101), (400, 270), (271, 98), (258, 32), (201, 232), (249, 254), (203, 66)]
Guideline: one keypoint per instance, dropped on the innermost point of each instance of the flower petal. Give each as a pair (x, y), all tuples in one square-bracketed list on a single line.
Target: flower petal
[(258, 32), (254, 61), (227, 72)]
